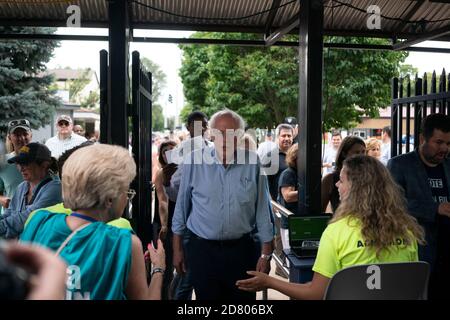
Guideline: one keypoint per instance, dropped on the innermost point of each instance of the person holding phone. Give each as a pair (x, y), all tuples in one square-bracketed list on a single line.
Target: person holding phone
[(166, 208)]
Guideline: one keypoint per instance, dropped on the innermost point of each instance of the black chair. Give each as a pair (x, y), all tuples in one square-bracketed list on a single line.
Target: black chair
[(384, 281)]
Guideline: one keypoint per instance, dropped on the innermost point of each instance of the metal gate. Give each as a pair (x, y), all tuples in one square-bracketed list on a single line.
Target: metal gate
[(139, 116), (421, 104)]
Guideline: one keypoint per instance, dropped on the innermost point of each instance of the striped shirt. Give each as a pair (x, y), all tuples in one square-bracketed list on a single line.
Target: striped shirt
[(58, 146)]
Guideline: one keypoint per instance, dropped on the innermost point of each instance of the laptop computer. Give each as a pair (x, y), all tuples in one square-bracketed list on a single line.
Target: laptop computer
[(305, 233)]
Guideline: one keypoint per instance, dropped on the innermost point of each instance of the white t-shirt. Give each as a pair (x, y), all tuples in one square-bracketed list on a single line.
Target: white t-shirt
[(58, 147), (386, 153), (329, 157), (265, 147)]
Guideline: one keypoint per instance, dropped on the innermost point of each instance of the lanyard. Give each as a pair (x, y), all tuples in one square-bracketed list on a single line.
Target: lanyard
[(84, 217)]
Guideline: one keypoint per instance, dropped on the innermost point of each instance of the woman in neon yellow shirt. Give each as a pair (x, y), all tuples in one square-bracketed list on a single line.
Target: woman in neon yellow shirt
[(371, 225)]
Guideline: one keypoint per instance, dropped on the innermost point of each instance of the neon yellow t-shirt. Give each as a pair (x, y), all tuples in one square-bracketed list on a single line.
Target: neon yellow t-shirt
[(59, 208), (342, 246)]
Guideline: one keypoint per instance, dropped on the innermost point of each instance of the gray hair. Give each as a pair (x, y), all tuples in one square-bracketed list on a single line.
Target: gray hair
[(227, 112), (284, 126)]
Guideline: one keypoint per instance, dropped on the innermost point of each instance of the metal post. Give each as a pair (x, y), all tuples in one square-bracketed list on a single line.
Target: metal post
[(394, 118), (105, 134), (118, 72), (309, 163)]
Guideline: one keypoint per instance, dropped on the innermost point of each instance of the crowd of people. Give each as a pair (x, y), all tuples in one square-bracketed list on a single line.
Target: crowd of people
[(217, 231)]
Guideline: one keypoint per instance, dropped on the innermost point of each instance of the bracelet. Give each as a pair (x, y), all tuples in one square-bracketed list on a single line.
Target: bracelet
[(156, 270), (266, 257)]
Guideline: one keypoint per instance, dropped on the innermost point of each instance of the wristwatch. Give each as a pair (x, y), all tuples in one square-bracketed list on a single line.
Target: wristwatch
[(266, 257), (157, 269)]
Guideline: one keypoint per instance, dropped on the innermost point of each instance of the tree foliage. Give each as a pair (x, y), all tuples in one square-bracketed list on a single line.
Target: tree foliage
[(158, 84), (77, 85), (157, 118), (91, 101), (24, 92), (261, 84)]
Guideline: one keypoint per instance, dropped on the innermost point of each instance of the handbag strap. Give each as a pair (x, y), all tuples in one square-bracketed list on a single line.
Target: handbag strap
[(74, 232)]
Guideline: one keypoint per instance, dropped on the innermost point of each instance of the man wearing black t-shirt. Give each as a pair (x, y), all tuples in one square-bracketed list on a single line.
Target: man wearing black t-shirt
[(424, 174), (273, 163), (275, 159)]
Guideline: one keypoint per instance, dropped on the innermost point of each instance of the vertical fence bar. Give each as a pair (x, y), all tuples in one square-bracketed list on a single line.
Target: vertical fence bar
[(425, 92), (448, 90), (104, 136), (400, 119), (433, 91), (408, 115), (394, 117), (417, 111), (442, 82)]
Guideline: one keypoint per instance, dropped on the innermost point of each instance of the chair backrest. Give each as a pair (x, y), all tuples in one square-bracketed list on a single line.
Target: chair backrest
[(384, 281)]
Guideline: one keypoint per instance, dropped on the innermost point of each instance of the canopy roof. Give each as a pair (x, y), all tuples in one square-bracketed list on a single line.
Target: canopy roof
[(404, 19)]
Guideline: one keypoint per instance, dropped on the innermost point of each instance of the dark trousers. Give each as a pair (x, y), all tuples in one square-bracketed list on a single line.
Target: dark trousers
[(168, 274), (182, 284), (216, 266)]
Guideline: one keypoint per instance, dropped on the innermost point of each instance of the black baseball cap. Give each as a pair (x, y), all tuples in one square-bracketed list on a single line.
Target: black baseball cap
[(290, 120), (32, 152)]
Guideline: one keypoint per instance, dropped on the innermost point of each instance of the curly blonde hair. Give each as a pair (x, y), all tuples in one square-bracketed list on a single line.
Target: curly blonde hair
[(378, 203)]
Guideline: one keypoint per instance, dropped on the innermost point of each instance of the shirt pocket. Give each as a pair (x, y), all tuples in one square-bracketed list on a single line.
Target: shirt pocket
[(246, 191)]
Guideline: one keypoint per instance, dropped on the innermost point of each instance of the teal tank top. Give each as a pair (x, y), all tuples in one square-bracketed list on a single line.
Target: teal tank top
[(98, 256)]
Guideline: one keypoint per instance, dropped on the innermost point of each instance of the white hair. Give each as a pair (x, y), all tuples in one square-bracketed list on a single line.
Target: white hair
[(94, 174), (227, 112)]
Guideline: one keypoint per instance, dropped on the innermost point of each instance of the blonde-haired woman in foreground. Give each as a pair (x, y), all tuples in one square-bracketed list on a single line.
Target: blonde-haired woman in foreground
[(104, 261), (370, 226)]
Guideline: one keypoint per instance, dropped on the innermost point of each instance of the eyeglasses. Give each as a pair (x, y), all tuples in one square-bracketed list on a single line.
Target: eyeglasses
[(23, 122), (63, 124), (130, 194)]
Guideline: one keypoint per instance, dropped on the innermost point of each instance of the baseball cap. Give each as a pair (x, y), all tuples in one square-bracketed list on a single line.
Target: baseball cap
[(64, 117), (20, 123), (32, 152), (290, 120)]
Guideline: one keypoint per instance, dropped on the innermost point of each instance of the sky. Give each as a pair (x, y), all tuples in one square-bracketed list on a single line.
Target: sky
[(168, 57)]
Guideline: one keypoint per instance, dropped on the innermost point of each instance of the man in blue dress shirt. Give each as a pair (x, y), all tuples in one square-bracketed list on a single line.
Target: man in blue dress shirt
[(223, 202)]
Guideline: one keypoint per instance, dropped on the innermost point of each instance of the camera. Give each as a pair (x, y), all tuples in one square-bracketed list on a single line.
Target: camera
[(14, 281)]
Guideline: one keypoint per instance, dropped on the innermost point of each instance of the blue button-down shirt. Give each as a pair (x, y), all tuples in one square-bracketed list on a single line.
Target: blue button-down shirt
[(223, 203)]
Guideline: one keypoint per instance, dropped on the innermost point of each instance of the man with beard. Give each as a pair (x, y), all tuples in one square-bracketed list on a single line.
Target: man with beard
[(424, 175)]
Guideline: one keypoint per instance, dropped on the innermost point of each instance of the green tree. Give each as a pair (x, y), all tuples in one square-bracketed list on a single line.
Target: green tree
[(171, 123), (185, 111), (24, 91), (157, 118), (77, 85), (261, 84), (158, 84), (91, 101), (158, 77)]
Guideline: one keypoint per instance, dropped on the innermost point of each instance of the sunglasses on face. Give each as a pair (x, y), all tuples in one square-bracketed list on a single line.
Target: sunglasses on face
[(23, 122), (63, 124)]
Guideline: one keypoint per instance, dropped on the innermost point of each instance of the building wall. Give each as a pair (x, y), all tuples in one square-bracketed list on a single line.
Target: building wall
[(381, 123)]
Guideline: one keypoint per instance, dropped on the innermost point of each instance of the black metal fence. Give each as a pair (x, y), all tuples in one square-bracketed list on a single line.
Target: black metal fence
[(408, 107), (140, 114), (141, 118)]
